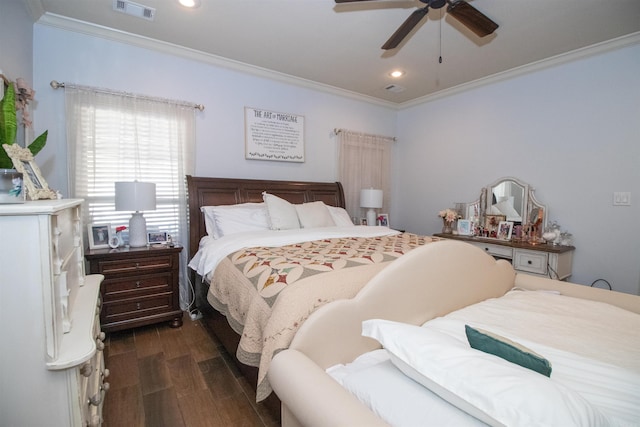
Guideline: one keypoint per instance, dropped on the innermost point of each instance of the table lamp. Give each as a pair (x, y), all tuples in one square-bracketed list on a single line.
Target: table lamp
[(136, 196), (371, 198)]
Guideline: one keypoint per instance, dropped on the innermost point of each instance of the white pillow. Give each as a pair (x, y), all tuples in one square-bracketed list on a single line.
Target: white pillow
[(231, 219), (491, 389), (340, 216), (282, 214), (314, 214), (210, 221)]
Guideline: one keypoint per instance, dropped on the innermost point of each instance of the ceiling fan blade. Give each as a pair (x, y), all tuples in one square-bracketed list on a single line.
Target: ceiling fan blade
[(405, 28), (472, 18)]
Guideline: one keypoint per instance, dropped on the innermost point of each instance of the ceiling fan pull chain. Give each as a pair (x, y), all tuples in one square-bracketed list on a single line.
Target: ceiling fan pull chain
[(440, 23)]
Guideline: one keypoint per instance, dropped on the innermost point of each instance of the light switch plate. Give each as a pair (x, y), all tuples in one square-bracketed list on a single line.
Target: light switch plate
[(621, 198)]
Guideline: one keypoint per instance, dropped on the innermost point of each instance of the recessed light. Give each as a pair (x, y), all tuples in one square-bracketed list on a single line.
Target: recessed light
[(396, 74), (190, 3)]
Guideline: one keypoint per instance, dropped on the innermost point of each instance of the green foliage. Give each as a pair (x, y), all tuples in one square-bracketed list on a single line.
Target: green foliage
[(9, 128)]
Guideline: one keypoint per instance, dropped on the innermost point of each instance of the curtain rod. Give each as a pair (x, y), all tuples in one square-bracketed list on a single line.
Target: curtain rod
[(336, 131), (54, 84)]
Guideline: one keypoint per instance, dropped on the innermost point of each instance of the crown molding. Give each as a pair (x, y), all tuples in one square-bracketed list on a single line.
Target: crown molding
[(574, 55), (69, 24), (83, 27)]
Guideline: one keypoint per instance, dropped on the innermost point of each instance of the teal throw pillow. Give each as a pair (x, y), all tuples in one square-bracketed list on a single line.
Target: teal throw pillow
[(502, 347)]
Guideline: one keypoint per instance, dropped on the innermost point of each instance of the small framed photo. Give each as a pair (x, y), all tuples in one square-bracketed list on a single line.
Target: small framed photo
[(464, 227), (383, 220), (504, 230), (99, 235), (363, 221), (22, 159), (156, 237)]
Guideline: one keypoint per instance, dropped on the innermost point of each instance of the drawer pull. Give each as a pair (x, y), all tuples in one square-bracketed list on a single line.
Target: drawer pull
[(529, 262), (138, 306), (486, 249), (138, 284), (86, 370), (137, 265)]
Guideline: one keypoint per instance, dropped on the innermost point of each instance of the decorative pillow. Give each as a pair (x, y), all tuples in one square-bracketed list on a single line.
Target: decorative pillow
[(282, 214), (340, 216), (314, 214), (224, 220), (487, 387), (508, 350)]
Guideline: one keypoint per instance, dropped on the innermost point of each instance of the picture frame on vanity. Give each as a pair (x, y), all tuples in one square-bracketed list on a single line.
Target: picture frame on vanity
[(157, 237), (464, 227), (363, 221), (22, 158), (505, 228), (383, 220), (100, 235)]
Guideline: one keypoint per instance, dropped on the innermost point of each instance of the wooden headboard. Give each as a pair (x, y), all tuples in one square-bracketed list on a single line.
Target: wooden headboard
[(230, 191)]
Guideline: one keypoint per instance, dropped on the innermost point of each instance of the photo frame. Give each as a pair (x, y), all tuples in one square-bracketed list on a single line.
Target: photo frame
[(99, 235), (157, 237), (363, 221), (464, 227), (383, 220), (505, 228), (22, 158)]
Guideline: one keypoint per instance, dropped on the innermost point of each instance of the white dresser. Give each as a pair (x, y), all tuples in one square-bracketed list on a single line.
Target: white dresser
[(51, 363)]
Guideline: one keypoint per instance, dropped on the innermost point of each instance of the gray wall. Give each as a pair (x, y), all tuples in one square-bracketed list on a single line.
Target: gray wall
[(571, 131)]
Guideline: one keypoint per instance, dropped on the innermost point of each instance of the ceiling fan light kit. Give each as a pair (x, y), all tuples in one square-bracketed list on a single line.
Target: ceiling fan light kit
[(468, 16)]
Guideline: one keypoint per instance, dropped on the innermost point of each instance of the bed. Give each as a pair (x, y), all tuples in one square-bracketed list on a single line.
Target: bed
[(256, 286), (420, 304)]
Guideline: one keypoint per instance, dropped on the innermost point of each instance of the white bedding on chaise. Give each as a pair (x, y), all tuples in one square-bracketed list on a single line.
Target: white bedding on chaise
[(606, 372)]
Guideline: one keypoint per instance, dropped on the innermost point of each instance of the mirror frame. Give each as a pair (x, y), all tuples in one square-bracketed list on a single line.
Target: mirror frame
[(482, 207)]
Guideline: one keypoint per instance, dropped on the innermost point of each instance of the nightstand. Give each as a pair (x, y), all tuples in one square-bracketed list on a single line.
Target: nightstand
[(140, 285)]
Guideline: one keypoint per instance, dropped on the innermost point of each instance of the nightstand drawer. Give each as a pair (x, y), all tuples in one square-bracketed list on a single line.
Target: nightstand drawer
[(133, 265), (135, 308), (533, 262), (130, 287)]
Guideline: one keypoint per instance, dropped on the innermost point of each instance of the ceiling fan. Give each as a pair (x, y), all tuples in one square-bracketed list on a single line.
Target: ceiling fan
[(468, 15)]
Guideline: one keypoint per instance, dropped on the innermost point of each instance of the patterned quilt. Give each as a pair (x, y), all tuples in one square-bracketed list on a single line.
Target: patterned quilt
[(268, 292)]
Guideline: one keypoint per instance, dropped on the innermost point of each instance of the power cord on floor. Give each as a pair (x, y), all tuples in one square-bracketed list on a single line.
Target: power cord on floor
[(194, 313)]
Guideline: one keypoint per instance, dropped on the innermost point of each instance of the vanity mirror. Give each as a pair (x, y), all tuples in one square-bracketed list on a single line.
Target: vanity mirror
[(511, 198)]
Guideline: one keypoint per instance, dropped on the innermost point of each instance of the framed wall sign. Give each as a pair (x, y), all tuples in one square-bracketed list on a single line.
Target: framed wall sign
[(37, 187), (270, 135)]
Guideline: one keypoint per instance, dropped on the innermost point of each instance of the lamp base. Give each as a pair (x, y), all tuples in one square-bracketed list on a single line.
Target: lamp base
[(137, 230), (371, 217)]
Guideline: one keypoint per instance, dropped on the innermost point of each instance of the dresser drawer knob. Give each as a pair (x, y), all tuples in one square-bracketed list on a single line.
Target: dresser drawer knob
[(529, 262), (138, 284), (138, 306), (86, 370), (137, 265)]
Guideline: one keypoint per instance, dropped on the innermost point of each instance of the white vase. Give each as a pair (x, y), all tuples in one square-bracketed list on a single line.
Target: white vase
[(11, 186)]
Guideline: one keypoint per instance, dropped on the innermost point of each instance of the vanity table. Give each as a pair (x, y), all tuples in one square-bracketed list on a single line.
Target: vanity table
[(513, 201), (540, 259)]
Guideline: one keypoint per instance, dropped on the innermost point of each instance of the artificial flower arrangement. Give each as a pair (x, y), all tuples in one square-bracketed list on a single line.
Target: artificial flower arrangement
[(449, 215)]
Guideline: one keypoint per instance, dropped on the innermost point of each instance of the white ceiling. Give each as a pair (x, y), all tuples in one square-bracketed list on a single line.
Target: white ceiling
[(339, 45)]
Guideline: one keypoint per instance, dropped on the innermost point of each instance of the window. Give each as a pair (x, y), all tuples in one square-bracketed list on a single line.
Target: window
[(364, 162), (119, 137)]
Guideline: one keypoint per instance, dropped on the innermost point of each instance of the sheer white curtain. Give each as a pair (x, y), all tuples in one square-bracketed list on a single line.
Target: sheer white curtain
[(364, 162), (119, 137)]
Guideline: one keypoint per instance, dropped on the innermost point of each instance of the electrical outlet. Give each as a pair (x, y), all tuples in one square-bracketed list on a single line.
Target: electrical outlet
[(621, 198)]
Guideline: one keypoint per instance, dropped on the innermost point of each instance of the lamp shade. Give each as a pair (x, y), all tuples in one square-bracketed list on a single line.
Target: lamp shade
[(370, 198), (135, 196)]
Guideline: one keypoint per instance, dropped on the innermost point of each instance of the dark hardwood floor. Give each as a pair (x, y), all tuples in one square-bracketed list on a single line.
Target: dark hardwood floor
[(176, 377)]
